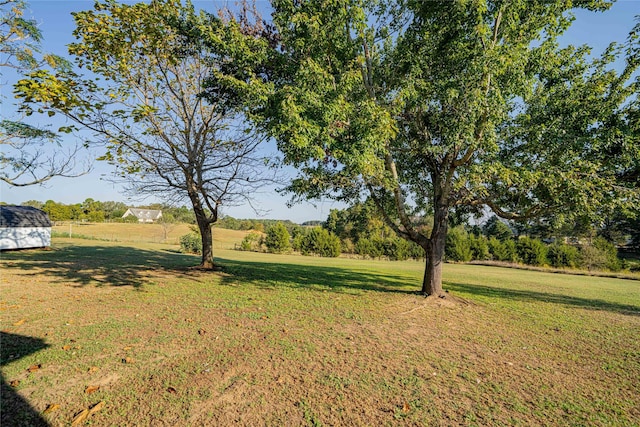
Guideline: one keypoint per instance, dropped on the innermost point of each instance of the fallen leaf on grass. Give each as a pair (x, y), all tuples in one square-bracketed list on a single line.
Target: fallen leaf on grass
[(51, 407), (127, 348), (14, 383), (93, 369), (201, 332), (92, 389), (127, 360), (66, 347), (83, 415), (95, 408), (405, 407), (80, 417), (34, 368), (172, 390), (19, 322)]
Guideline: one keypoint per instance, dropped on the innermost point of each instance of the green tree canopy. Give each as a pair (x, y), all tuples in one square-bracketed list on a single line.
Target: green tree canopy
[(277, 239), (26, 153), (145, 107), (433, 107)]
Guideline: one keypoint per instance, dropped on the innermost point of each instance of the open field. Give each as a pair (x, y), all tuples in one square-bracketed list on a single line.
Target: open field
[(290, 340), (143, 233)]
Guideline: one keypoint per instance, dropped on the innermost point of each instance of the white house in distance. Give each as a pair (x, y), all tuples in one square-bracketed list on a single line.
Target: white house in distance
[(144, 215), (23, 227)]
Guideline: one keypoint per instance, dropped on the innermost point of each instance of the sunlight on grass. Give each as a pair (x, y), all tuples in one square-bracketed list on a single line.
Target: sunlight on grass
[(284, 339)]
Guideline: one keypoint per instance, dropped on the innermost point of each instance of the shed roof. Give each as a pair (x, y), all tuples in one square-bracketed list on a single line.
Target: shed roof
[(23, 216)]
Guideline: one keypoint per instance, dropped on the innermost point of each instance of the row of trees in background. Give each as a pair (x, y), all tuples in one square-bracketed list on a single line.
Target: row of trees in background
[(596, 254), (231, 223), (308, 240), (96, 211), (360, 231)]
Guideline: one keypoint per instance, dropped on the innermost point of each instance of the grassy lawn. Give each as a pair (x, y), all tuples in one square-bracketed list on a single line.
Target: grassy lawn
[(148, 233), (291, 340)]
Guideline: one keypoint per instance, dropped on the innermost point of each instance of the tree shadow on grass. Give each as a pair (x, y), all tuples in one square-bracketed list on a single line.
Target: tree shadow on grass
[(96, 265), (534, 296), (272, 274), (16, 411)]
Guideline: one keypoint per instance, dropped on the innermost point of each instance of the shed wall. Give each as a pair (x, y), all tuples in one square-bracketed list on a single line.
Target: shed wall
[(25, 237)]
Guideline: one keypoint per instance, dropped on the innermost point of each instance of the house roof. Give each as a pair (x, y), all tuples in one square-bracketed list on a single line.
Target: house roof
[(23, 216), (145, 213)]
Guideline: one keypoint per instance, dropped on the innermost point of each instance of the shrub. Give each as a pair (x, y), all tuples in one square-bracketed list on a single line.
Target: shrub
[(298, 241), (532, 251), (399, 249), (511, 250), (277, 239), (503, 250), (416, 251), (191, 243), (321, 242), (601, 255), (365, 247), (131, 219), (348, 246), (479, 247), (251, 242), (458, 246), (497, 249), (562, 255), (592, 259), (377, 247), (613, 263)]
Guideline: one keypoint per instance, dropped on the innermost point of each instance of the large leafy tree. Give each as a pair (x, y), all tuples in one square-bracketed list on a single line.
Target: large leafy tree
[(163, 137), (27, 156), (432, 108)]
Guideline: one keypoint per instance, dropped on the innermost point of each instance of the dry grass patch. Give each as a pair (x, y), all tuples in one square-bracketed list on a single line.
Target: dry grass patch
[(286, 340), (145, 233)]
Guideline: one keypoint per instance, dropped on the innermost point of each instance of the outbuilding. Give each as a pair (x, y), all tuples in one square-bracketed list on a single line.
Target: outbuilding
[(23, 227), (144, 215)]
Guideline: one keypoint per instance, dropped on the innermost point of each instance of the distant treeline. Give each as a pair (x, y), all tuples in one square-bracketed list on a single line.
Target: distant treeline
[(95, 211), (359, 230)]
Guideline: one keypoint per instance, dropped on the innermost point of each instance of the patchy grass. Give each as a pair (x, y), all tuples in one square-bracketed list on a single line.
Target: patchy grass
[(290, 340)]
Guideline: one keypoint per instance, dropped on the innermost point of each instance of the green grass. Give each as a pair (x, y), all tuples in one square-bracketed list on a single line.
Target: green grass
[(284, 339)]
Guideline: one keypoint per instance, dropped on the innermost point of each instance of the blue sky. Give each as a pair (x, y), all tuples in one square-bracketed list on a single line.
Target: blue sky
[(56, 24)]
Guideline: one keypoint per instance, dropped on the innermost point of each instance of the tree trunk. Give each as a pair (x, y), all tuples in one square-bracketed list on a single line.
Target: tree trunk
[(434, 254), (204, 225), (207, 247)]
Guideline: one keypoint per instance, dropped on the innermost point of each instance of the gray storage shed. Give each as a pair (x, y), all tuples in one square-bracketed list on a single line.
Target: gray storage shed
[(24, 227)]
